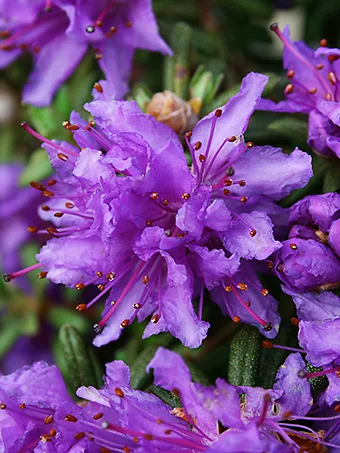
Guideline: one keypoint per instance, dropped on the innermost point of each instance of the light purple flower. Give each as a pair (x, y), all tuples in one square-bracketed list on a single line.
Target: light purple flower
[(58, 33), (312, 89), (131, 217)]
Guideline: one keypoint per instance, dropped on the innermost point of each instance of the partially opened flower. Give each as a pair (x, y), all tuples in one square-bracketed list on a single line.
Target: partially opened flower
[(58, 33), (310, 258), (133, 219), (312, 89)]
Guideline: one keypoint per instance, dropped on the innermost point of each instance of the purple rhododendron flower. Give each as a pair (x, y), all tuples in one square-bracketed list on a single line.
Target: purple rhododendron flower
[(58, 33), (131, 217), (29, 400), (37, 414), (18, 209), (310, 258), (312, 90)]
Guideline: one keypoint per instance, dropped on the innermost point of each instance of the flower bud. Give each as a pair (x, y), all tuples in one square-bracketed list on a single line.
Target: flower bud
[(173, 111), (307, 264)]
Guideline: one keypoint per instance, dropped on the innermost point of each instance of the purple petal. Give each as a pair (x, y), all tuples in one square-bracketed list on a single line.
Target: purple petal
[(237, 238), (269, 171), (55, 63), (36, 384), (312, 306), (320, 340), (190, 330), (233, 120), (240, 441), (334, 237), (212, 265), (297, 397), (304, 264), (116, 64), (163, 364), (330, 109), (223, 401)]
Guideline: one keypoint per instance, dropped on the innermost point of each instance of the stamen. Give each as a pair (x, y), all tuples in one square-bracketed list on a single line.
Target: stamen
[(268, 345), (266, 401), (9, 277), (266, 325), (28, 129), (303, 374)]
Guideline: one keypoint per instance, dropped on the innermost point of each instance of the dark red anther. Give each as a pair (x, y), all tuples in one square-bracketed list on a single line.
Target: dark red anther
[(48, 193), (197, 146), (32, 229), (323, 42), (290, 73), (62, 157), (333, 57), (188, 134), (119, 392), (97, 86), (81, 307), (70, 418), (218, 113), (289, 89), (267, 344)]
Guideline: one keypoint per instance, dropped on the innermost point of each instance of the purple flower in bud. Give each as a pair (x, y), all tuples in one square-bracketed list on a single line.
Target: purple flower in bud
[(58, 34), (310, 259), (131, 217), (312, 89)]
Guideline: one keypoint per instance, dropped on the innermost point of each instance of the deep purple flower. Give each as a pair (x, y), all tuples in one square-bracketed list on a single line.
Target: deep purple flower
[(312, 89), (310, 258), (18, 210), (133, 219), (58, 33)]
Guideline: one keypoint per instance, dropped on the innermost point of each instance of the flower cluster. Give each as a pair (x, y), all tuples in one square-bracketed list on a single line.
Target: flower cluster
[(313, 89), (36, 413), (58, 33), (131, 217)]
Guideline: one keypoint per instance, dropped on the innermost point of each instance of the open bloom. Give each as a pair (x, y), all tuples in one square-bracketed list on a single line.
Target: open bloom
[(220, 418), (310, 258), (131, 217), (58, 33), (312, 89)]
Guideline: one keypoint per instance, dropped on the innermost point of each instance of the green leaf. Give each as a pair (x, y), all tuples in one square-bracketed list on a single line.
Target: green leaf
[(169, 398), (295, 129), (74, 358), (58, 316), (244, 357), (37, 168), (331, 182), (139, 377), (318, 384), (142, 95), (181, 41)]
